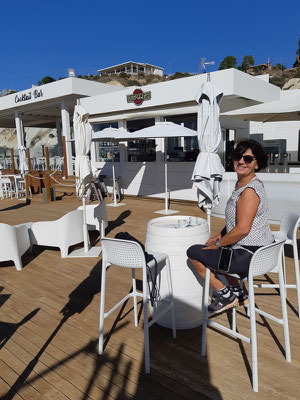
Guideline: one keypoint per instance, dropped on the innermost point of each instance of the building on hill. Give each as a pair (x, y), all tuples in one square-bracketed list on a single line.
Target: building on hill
[(132, 68), (259, 68)]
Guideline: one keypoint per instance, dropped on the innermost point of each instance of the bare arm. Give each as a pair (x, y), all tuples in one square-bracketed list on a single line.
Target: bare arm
[(247, 206)]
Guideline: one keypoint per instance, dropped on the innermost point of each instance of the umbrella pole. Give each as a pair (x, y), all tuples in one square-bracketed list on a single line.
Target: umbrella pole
[(85, 230), (208, 215), (166, 210), (166, 184), (114, 177), (114, 204)]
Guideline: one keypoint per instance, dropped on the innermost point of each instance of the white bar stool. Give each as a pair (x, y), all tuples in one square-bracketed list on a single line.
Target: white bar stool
[(262, 262), (288, 231), (129, 254)]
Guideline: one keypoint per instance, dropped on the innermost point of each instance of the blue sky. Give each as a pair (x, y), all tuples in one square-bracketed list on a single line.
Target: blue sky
[(40, 38)]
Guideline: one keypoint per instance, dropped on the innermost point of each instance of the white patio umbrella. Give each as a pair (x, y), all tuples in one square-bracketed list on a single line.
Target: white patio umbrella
[(164, 130), (114, 134), (287, 108), (83, 172), (208, 170), (159, 130)]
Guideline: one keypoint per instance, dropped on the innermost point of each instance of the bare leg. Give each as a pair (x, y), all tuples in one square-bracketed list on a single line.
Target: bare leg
[(232, 280), (214, 281)]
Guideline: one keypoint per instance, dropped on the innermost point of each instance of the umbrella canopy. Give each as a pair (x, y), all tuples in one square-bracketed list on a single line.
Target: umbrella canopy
[(208, 169), (287, 108), (83, 138), (159, 130), (162, 130), (108, 133)]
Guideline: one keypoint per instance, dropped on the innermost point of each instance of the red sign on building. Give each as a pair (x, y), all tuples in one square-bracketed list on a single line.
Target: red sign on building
[(138, 97)]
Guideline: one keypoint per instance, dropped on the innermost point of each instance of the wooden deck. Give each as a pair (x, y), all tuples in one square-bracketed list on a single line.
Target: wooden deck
[(49, 315)]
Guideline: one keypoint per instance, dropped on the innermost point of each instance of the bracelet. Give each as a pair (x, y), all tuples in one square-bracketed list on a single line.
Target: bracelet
[(217, 243)]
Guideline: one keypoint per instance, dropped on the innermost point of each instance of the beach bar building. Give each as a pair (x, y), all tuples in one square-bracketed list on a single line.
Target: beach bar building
[(140, 163), (48, 106)]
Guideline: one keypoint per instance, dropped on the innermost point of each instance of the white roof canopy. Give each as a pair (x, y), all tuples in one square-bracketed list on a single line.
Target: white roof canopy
[(178, 97), (40, 106), (287, 108)]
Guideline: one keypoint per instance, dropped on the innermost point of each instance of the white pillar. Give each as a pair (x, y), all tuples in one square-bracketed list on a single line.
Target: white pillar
[(19, 129), (59, 138), (65, 119)]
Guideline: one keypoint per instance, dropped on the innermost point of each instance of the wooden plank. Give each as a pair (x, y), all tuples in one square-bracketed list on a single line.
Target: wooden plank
[(64, 350)]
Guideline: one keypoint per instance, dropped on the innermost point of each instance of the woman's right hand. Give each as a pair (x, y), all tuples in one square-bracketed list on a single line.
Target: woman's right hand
[(212, 239)]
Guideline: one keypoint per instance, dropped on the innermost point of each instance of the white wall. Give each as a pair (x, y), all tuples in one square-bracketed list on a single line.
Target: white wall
[(283, 192), (288, 130)]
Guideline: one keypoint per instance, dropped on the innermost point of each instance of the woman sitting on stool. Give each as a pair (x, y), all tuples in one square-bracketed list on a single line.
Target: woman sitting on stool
[(247, 228)]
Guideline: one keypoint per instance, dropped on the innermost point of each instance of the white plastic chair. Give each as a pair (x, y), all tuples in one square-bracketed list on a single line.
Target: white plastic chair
[(129, 254), (52, 163), (14, 243), (262, 262), (63, 233), (20, 188), (288, 232), (7, 187), (96, 217)]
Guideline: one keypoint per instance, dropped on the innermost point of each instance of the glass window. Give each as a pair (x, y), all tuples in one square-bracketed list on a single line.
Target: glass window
[(140, 150), (105, 149), (183, 148)]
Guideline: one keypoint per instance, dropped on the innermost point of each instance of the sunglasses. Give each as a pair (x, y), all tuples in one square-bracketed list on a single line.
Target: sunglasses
[(239, 156)]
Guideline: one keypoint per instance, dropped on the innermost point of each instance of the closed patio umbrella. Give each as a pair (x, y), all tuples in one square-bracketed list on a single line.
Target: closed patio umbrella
[(83, 139), (23, 161), (83, 172), (208, 170)]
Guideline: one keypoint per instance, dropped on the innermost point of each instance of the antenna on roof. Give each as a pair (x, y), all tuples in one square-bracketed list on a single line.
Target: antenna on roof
[(203, 63)]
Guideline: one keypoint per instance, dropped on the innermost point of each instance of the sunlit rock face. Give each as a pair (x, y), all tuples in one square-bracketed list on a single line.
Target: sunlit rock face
[(291, 84), (34, 137)]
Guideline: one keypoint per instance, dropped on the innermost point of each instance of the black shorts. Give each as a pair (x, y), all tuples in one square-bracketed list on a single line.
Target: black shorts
[(209, 258)]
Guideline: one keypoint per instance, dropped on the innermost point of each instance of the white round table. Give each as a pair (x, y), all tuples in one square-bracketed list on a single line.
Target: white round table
[(164, 236)]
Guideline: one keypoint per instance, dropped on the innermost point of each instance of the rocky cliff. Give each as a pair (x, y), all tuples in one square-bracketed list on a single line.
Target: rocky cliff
[(35, 138)]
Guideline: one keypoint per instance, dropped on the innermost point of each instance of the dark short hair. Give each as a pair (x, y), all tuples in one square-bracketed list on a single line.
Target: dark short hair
[(257, 150)]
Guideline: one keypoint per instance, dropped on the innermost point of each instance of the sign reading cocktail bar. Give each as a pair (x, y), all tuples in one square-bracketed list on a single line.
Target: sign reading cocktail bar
[(138, 97), (35, 94)]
